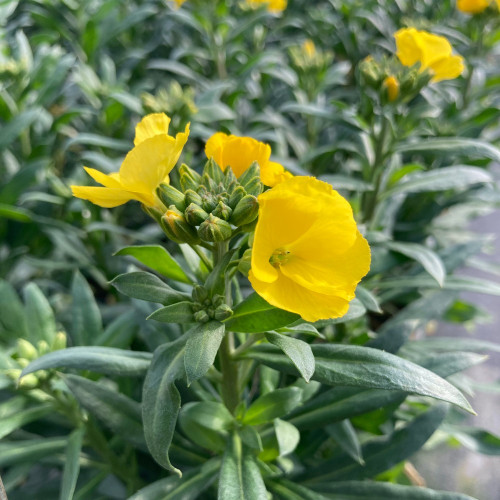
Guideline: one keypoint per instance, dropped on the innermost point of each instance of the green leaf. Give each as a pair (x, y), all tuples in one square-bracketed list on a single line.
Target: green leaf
[(201, 348), (380, 454), (462, 146), (371, 490), (30, 450), (287, 436), (345, 435), (346, 182), (16, 420), (240, 478), (189, 487), (368, 299), (458, 177), (287, 490), (157, 258), (365, 367), (477, 440), (429, 260), (41, 323), (87, 322), (215, 281), (115, 410), (181, 313), (297, 350), (12, 319), (15, 213), (272, 405), (161, 400), (255, 315), (147, 286), (454, 344), (71, 464), (11, 130), (106, 360)]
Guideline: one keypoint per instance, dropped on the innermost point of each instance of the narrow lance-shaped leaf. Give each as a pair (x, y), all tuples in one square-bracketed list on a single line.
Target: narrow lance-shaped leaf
[(71, 464), (41, 323), (181, 313)]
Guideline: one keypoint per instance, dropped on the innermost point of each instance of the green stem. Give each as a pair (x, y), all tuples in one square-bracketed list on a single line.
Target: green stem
[(3, 494), (203, 256)]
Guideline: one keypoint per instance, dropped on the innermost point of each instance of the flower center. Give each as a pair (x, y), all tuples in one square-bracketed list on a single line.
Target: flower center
[(279, 257)]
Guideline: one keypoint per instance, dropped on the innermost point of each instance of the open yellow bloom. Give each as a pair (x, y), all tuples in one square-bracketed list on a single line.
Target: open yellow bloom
[(144, 168), (240, 152), (308, 255), (272, 5), (433, 52), (474, 6)]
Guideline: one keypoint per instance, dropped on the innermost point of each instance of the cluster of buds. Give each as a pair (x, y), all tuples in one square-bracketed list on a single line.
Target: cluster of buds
[(26, 352), (211, 206), (391, 80), (206, 308), (307, 56)]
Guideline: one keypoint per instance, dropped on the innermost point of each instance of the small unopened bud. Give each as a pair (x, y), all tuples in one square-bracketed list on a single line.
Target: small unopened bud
[(208, 201), (26, 350), (254, 187), (230, 177), (252, 172), (195, 215), (199, 293), (214, 229), (201, 316), (245, 262), (170, 196), (391, 87), (208, 182), (222, 211), (176, 227), (42, 347), (60, 341), (12, 373), (192, 197), (238, 193), (245, 211), (223, 312), (189, 178), (29, 381), (22, 362), (370, 71), (213, 171), (217, 300)]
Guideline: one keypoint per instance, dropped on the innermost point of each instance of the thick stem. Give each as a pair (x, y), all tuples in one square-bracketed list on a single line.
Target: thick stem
[(3, 494)]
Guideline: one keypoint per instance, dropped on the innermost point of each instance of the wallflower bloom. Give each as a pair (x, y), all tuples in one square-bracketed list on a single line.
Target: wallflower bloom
[(474, 6), (240, 152), (144, 168), (272, 5), (308, 255), (433, 52)]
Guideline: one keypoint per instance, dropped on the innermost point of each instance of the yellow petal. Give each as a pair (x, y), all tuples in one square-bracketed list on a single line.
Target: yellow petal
[(110, 181), (289, 295), (447, 68), (408, 51), (473, 6), (273, 173), (108, 197), (215, 146), (151, 125)]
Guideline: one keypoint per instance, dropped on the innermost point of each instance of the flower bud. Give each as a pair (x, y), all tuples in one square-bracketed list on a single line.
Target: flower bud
[(230, 178), (189, 178), (370, 71), (238, 193), (192, 197), (222, 211), (176, 228), (12, 373), (245, 211), (213, 171), (201, 317), (42, 347), (254, 187), (29, 381), (214, 229), (209, 183), (217, 300), (245, 262), (208, 201), (223, 312), (170, 196), (391, 88), (195, 215), (22, 362), (60, 341), (26, 350), (199, 293), (252, 172)]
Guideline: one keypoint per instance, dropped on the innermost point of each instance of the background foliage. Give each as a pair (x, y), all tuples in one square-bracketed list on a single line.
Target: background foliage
[(75, 77)]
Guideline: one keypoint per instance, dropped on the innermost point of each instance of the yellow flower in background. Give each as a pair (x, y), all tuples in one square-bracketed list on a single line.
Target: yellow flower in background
[(144, 168), (474, 6), (179, 2), (391, 84), (240, 152), (309, 48), (272, 5), (433, 52), (308, 255)]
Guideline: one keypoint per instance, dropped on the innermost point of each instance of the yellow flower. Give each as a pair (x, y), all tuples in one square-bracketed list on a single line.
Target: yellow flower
[(309, 48), (179, 2), (473, 6), (392, 86), (144, 168), (308, 255), (272, 5), (240, 152), (433, 52)]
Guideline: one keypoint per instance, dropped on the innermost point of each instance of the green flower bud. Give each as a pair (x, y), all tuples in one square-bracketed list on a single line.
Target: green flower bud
[(42, 347), (208, 201), (201, 317), (222, 211), (12, 373), (254, 187), (171, 196), (370, 71), (230, 178), (26, 350), (238, 193), (245, 211), (210, 312), (223, 312), (209, 183), (189, 178), (248, 228), (176, 228), (195, 215), (245, 262), (60, 341), (22, 362), (252, 172), (217, 300), (214, 229), (29, 381), (192, 197), (213, 171), (199, 293), (153, 212)]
